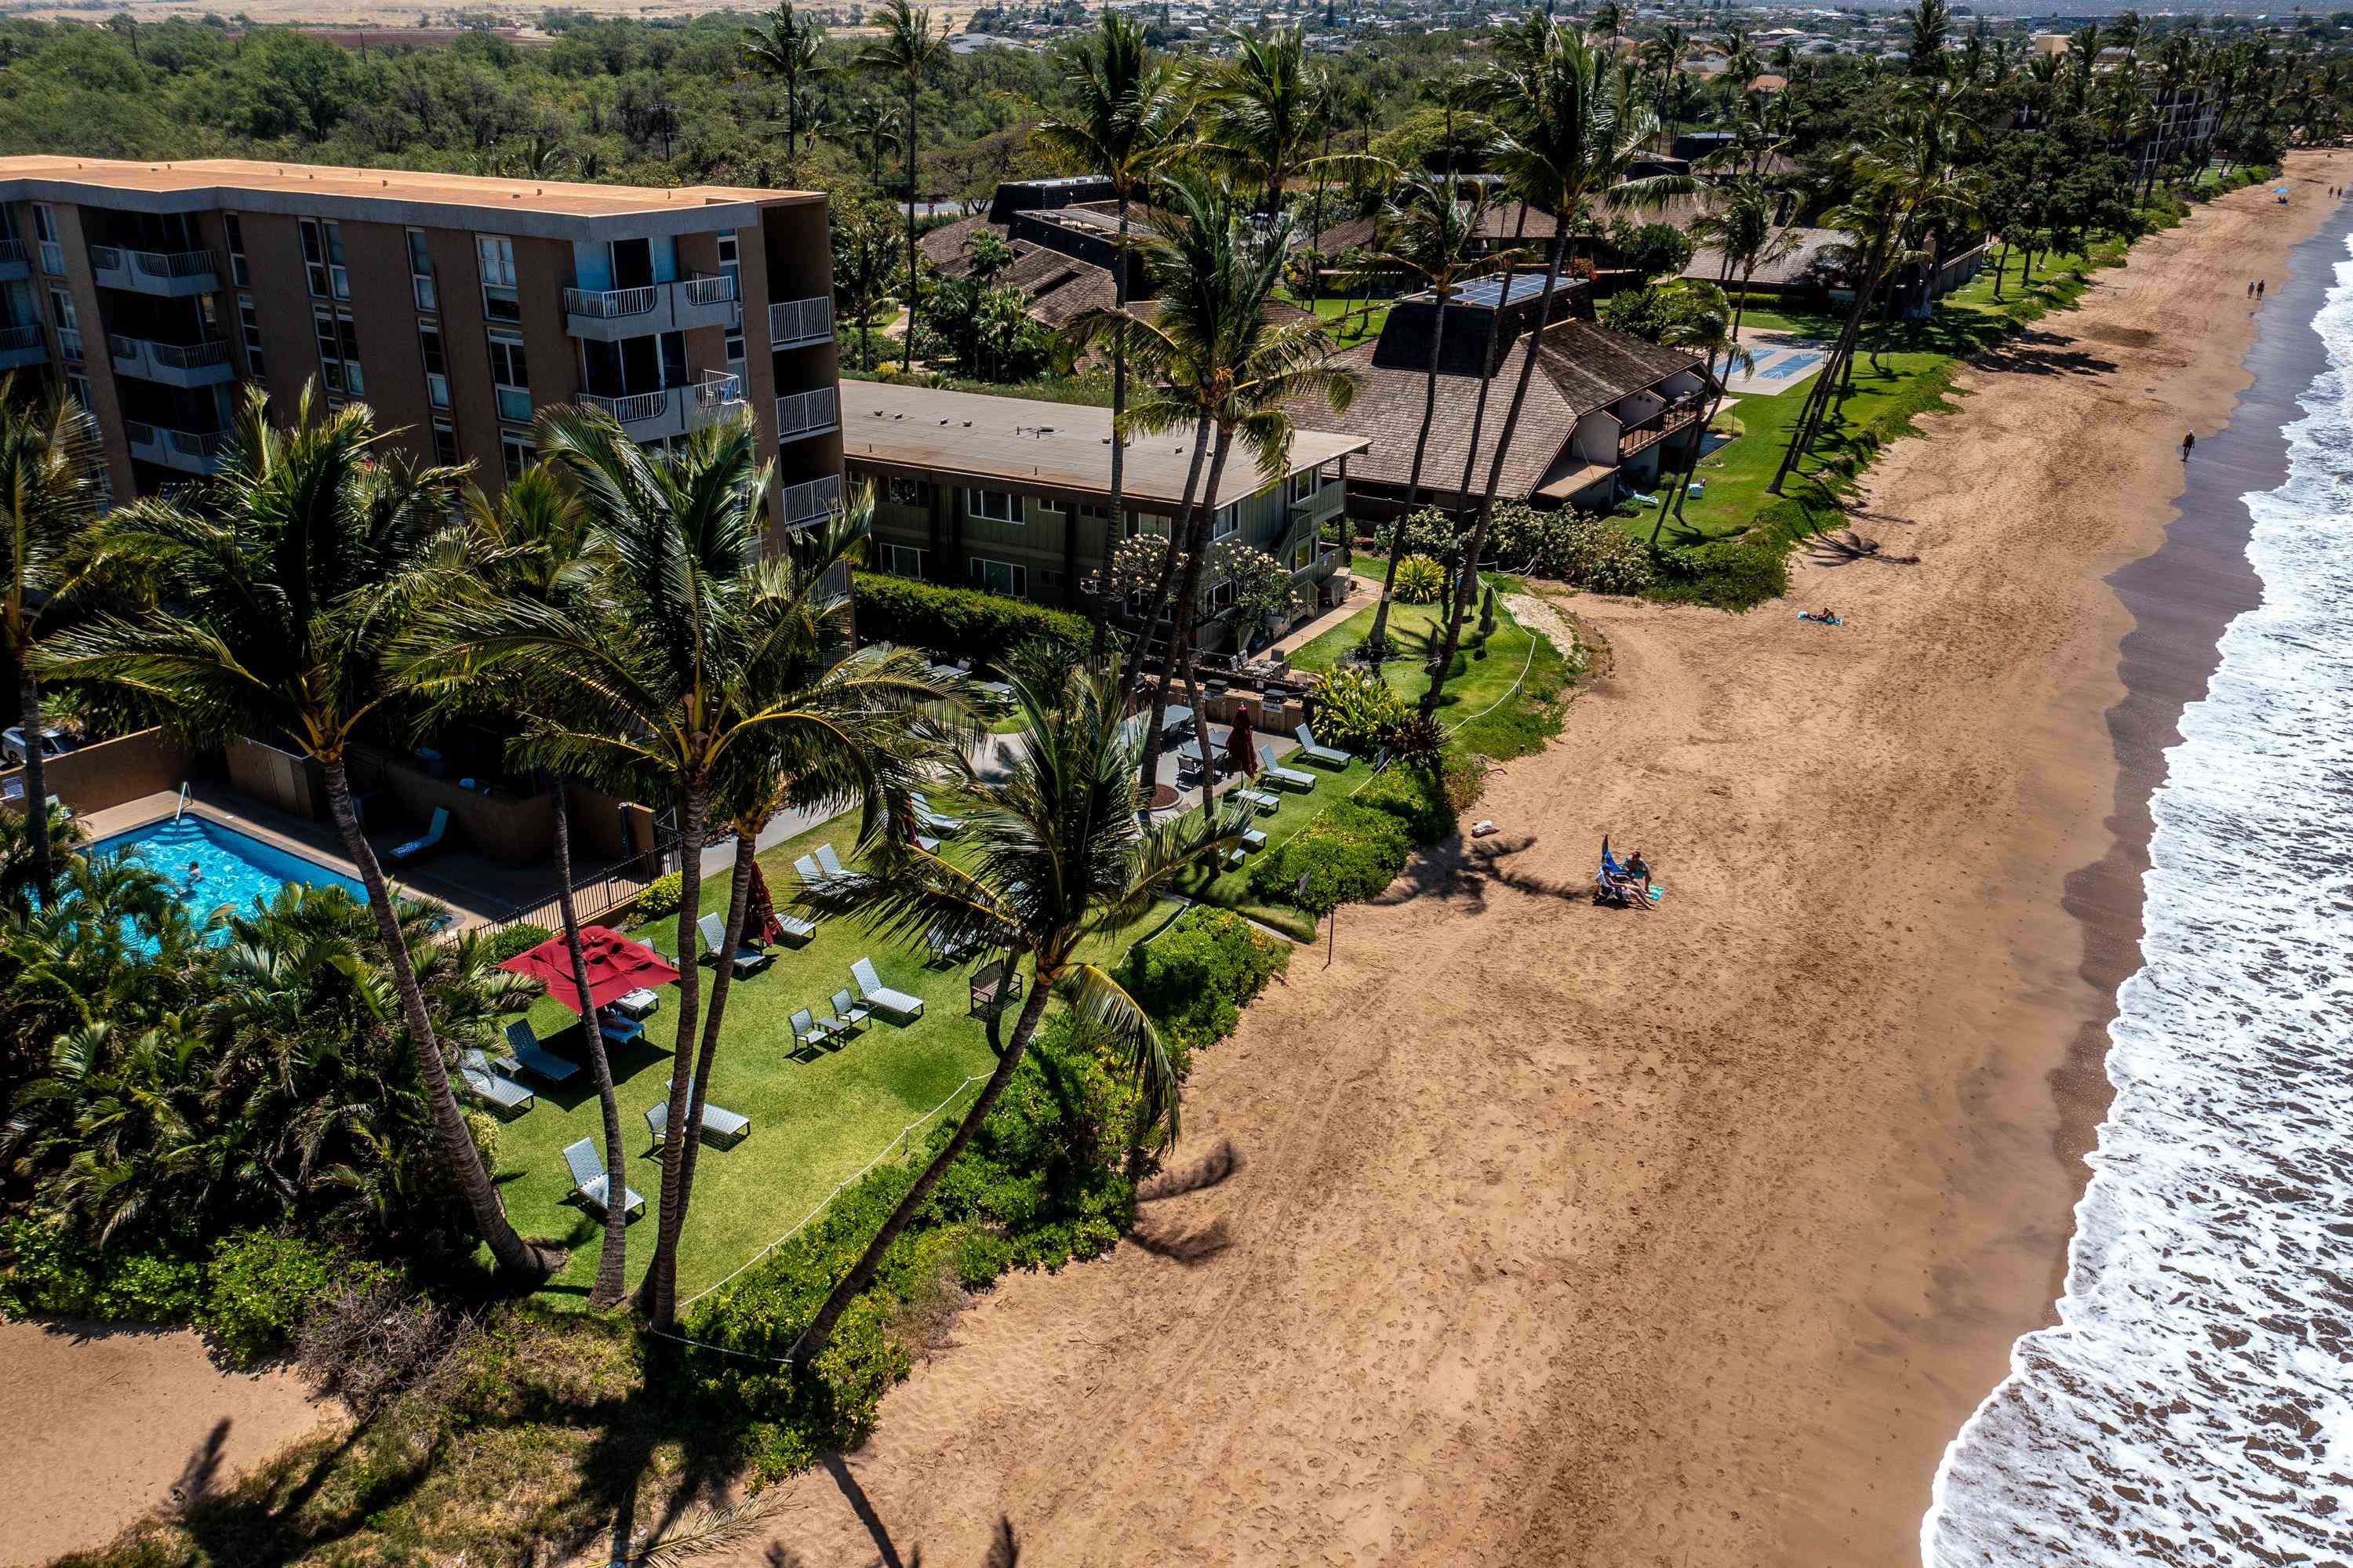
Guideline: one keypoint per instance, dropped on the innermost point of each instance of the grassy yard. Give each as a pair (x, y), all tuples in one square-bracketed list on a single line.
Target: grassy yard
[(815, 1118), (1358, 327)]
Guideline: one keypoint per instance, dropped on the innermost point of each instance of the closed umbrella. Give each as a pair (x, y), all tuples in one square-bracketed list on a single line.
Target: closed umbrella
[(1242, 746)]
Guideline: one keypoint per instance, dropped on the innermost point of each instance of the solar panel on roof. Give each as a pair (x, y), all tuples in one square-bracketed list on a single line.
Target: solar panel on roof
[(1488, 293)]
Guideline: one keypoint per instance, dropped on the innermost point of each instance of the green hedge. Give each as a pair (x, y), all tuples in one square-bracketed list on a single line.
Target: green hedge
[(520, 937), (1348, 854), (661, 896), (954, 619), (1196, 976)]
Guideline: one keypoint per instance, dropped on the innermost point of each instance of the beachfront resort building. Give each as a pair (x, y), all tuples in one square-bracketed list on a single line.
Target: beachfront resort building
[(456, 307), (1014, 495)]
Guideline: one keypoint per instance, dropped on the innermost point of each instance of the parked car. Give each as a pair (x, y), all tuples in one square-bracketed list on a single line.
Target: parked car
[(53, 744)]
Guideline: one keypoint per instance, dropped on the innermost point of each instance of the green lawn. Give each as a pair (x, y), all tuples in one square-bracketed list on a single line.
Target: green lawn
[(1357, 328), (1485, 670), (816, 1120), (1232, 889)]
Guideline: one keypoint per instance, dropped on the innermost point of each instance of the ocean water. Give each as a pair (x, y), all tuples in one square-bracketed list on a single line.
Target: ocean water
[(229, 867), (2195, 1403)]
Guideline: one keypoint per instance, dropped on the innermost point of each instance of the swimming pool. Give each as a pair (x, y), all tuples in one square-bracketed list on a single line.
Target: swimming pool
[(1782, 369), (229, 867)]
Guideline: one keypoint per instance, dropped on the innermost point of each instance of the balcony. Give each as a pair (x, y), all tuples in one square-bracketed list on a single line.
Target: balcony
[(608, 316), (172, 363), (808, 501), (174, 274), (795, 324), (22, 345), (186, 450), (16, 261), (800, 415), (672, 410), (1653, 430)]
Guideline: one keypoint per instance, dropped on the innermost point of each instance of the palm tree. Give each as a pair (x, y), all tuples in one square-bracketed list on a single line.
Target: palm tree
[(787, 48), (717, 691), (869, 128), (1435, 235), (1663, 54), (1055, 856), (1572, 131), (1126, 112), (909, 51), (1707, 323), (1222, 365), (49, 468), (1930, 23), (286, 581), (534, 544), (1743, 233), (1260, 114)]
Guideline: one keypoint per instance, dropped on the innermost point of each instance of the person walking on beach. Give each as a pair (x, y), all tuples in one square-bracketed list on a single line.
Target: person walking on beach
[(2259, 289), (2188, 441), (2251, 289)]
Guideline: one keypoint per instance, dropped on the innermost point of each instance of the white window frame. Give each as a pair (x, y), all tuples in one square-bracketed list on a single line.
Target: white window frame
[(905, 560), (1222, 594), (447, 452), (515, 453), (431, 344), (495, 255), (420, 272), (1226, 523), (515, 361), (1017, 576), (239, 274), (976, 503), (323, 259), (77, 389), (905, 489), (340, 370), (249, 330)]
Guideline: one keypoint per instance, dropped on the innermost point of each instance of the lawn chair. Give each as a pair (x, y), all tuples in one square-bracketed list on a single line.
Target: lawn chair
[(1260, 801), (431, 840), (1327, 756), (807, 1032), (850, 1015), (722, 1127), (829, 862), (1284, 778), (748, 960), (484, 1083), (806, 870), (618, 1028), (881, 997), (529, 1055), (946, 949), (945, 827), (592, 1186), (1253, 840)]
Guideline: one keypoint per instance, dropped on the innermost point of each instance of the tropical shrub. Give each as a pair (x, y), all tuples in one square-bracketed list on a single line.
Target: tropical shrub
[(1594, 552), (1196, 976), (520, 937), (1353, 707), (957, 619), (263, 1286), (1349, 853), (50, 1270), (1420, 580), (1416, 796), (661, 896)]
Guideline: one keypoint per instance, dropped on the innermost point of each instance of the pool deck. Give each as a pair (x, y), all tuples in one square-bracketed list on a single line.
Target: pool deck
[(1797, 358), (477, 891)]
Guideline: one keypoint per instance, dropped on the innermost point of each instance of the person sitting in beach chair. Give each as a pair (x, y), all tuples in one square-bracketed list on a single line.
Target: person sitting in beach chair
[(1615, 882)]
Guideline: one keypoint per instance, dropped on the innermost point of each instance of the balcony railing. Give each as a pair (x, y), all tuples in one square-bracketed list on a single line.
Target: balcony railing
[(1652, 430), (21, 344), (163, 266), (14, 258), (718, 290), (612, 304), (635, 408), (180, 364), (802, 414), (197, 452), (808, 501), (715, 395), (792, 323)]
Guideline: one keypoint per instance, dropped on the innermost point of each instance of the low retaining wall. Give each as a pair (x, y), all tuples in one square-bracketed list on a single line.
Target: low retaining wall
[(114, 772)]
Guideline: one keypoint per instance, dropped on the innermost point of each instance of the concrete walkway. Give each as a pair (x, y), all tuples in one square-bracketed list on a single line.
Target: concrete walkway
[(1362, 597)]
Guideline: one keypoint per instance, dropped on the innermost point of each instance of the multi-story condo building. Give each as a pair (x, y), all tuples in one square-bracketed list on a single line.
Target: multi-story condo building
[(456, 307)]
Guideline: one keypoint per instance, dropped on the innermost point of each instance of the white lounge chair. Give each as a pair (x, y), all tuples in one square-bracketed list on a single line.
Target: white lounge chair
[(945, 827), (1328, 756), (1253, 840), (945, 949), (748, 960), (531, 1056), (719, 1125), (880, 997), (829, 862), (1287, 778), (429, 841), (484, 1083), (592, 1186), (1258, 800)]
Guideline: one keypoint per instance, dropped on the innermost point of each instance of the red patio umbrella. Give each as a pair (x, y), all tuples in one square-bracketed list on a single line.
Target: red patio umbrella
[(760, 921), (617, 967), (1242, 746)]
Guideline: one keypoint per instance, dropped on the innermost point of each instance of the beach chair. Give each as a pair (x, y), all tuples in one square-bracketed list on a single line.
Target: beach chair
[(592, 1186), (431, 839), (850, 1014), (1253, 840), (945, 827), (525, 1051), (618, 1028), (748, 960), (720, 1126), (946, 949), (1260, 801), (1327, 756), (1283, 778), (484, 1083), (881, 997), (793, 929), (829, 862), (807, 1032)]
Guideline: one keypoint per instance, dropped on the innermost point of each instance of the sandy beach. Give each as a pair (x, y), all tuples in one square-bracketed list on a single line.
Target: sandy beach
[(1572, 1236)]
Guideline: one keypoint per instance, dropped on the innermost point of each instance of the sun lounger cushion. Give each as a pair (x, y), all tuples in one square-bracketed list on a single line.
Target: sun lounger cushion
[(881, 997), (432, 836)]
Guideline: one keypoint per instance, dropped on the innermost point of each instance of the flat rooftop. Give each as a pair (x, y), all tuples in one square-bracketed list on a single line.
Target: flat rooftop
[(1056, 446), (451, 201)]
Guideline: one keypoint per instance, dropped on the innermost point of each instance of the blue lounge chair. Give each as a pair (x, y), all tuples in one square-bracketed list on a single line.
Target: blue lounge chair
[(430, 839), (593, 1186), (531, 1056)]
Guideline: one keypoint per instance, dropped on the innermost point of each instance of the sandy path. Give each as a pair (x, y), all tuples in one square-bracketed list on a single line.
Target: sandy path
[(103, 1428), (1584, 1237)]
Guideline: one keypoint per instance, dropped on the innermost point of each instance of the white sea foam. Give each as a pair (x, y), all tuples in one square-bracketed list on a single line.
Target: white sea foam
[(2195, 1403)]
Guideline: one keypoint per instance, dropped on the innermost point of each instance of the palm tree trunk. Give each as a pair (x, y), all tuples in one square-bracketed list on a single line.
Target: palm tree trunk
[(1179, 526), (658, 1292), (1183, 612), (909, 359), (688, 1133), (1826, 384), (1453, 642), (37, 781), (1378, 640), (1201, 724), (1116, 529), (812, 1342), (612, 1263), (516, 1260)]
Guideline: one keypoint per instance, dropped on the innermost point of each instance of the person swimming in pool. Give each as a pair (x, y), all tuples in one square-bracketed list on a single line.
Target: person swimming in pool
[(196, 873)]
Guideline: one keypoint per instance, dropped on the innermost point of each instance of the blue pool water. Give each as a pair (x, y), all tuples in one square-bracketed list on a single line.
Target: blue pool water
[(1783, 369), (231, 868)]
